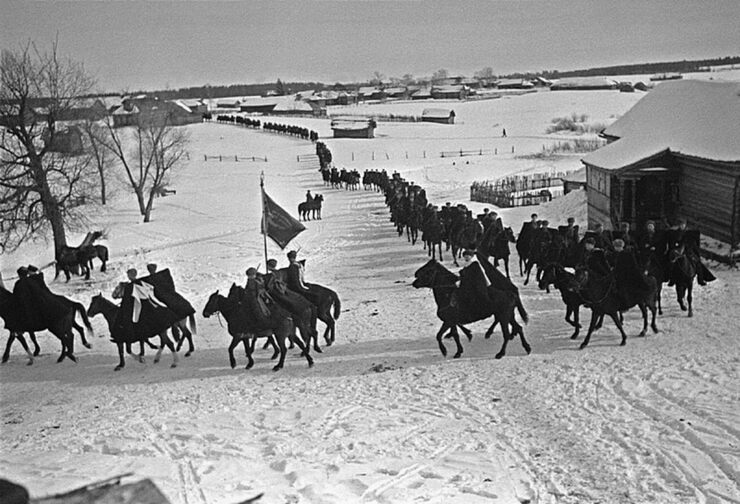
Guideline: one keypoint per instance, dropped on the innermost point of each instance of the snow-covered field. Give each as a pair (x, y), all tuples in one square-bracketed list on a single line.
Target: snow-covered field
[(382, 417)]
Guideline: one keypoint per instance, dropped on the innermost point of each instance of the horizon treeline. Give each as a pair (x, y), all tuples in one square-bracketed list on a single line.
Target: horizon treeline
[(221, 91)]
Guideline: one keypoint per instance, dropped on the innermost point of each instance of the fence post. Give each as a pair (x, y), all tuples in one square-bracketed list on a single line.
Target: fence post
[(481, 152), (236, 158), (425, 154), (495, 150), (373, 155), (205, 157), (512, 149), (353, 155), (219, 157), (387, 156), (407, 154), (461, 153)]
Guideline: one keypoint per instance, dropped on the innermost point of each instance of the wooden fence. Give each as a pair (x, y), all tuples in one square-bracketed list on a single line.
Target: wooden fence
[(235, 158)]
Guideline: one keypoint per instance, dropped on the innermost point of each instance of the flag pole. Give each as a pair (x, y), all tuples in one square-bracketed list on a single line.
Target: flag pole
[(264, 215)]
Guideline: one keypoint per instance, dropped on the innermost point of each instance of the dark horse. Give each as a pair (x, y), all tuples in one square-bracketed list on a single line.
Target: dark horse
[(109, 310), (435, 276), (76, 308), (602, 296), (79, 260), (682, 272), (324, 298), (312, 208), (11, 311), (242, 328), (498, 248)]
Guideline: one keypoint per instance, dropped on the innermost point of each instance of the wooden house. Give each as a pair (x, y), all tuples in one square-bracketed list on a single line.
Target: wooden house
[(574, 180), (438, 115), (449, 92), (424, 93), (258, 105), (353, 127), (514, 84), (674, 154)]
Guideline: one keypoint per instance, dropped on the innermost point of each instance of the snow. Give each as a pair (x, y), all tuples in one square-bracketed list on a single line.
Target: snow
[(382, 417)]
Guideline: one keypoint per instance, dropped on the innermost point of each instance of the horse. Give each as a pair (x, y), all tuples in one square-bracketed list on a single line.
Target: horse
[(325, 298), (79, 260), (241, 327), (312, 208), (432, 233), (555, 274), (435, 276), (77, 308), (601, 295), (179, 327), (109, 310), (682, 272), (12, 312)]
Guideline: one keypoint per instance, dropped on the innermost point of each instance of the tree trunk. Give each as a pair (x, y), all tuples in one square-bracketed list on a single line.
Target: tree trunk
[(52, 211), (140, 199), (102, 186), (149, 205)]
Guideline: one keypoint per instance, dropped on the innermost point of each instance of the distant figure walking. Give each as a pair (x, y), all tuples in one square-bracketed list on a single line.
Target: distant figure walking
[(503, 134)]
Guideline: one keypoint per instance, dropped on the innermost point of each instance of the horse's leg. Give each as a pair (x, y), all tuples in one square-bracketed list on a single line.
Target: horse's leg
[(305, 351), (141, 351), (234, 343), (25, 347), (680, 295), (166, 341), (456, 337), (489, 332), (159, 350), (11, 338), (249, 348), (643, 310), (36, 347), (689, 297), (466, 331), (281, 343), (506, 266), (519, 329), (653, 311), (80, 330), (594, 318), (659, 295), (618, 323), (440, 334), (121, 362), (507, 336), (576, 324)]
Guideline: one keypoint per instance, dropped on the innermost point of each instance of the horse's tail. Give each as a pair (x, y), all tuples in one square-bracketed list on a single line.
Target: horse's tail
[(337, 304), (103, 251), (520, 308), (193, 328), (78, 307)]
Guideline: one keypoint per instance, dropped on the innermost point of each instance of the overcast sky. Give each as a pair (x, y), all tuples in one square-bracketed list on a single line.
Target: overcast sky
[(134, 45)]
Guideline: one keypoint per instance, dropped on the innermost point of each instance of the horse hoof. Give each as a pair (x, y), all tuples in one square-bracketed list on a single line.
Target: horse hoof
[(173, 365), (5, 359), (691, 313), (156, 361), (37, 353), (60, 359), (499, 355), (29, 363), (457, 355), (318, 349), (655, 329), (575, 336), (583, 345), (623, 343), (277, 368), (117, 368), (188, 354), (310, 364), (233, 365), (641, 335), (87, 345)]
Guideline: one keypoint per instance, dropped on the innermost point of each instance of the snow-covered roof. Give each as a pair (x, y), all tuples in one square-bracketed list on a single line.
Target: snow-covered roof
[(436, 112), (293, 106), (583, 82), (691, 117)]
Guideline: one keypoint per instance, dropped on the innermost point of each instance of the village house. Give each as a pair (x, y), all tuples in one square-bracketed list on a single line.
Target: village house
[(438, 115), (674, 154)]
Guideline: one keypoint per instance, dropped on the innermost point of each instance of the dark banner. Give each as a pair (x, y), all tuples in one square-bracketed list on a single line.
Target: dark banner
[(281, 226)]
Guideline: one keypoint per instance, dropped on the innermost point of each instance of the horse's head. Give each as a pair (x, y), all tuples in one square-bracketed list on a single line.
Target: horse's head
[(211, 306), (96, 305), (118, 291), (509, 234), (433, 274)]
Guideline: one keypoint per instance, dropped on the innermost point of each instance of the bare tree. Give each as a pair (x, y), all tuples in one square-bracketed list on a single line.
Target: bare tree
[(42, 184), (440, 74), (95, 134), (148, 151), (377, 79), (485, 73)]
